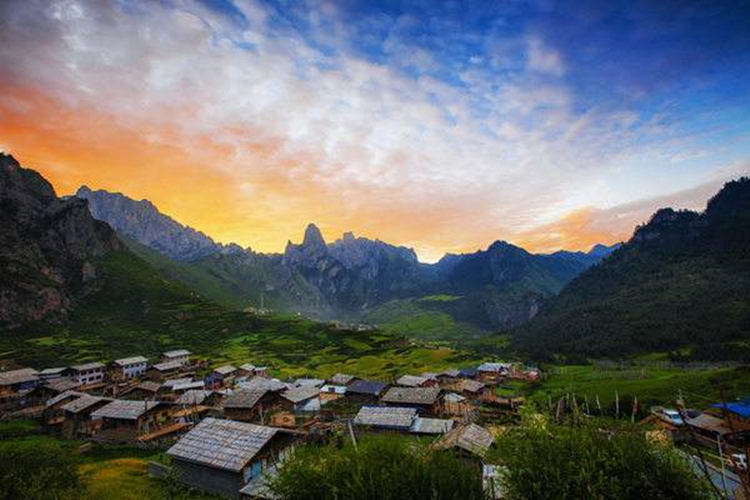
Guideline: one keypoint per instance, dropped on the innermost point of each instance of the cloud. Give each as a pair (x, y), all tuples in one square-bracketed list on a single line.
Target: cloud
[(284, 119)]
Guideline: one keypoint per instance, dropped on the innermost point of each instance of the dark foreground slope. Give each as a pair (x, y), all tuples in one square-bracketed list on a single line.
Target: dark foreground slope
[(681, 283)]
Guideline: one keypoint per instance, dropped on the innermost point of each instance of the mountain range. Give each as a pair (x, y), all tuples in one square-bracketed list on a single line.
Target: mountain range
[(352, 278)]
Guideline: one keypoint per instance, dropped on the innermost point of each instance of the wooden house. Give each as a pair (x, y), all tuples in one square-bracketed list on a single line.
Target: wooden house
[(415, 381), (49, 374), (77, 421), (456, 405), (163, 371), (223, 456), (245, 370), (365, 391), (386, 418), (493, 373), (16, 388), (251, 405), (145, 390), (736, 414), (53, 415), (426, 399), (301, 399), (471, 439), (342, 379), (128, 420)]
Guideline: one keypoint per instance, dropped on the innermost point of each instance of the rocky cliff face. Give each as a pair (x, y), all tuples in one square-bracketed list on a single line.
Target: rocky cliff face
[(48, 248), (142, 221)]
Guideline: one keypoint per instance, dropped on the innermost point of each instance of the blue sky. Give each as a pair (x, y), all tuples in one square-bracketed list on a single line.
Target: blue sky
[(437, 125)]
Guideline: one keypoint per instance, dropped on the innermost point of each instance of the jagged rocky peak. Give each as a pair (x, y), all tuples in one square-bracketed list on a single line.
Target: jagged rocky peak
[(313, 236)]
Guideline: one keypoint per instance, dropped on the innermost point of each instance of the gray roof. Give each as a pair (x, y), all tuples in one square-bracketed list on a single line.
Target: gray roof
[(369, 387), (429, 375), (124, 409), (84, 402), (299, 394), (710, 423), (87, 366), (493, 367), (412, 395), (452, 397), (63, 396), (53, 371), (471, 438), (193, 397), (261, 383), (431, 425), (244, 398), (130, 361), (452, 372), (167, 365), (176, 353), (222, 444), (314, 382), (173, 382), (384, 416), (411, 381), (149, 386), (62, 384), (469, 385), (248, 367), (198, 384), (341, 379), (225, 370), (18, 376)]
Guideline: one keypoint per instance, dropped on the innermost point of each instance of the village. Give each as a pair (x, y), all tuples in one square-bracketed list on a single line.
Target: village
[(226, 429)]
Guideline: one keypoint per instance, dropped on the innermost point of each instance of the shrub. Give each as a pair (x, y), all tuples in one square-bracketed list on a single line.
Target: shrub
[(39, 471)]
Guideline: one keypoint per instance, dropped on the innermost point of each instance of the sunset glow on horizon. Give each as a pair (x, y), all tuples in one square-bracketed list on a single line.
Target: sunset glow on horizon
[(438, 127)]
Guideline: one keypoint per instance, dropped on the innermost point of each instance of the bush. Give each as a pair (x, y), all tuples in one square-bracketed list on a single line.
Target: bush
[(383, 468), (38, 471), (557, 462)]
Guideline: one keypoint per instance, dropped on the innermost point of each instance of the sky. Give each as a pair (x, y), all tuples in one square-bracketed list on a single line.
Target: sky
[(438, 125)]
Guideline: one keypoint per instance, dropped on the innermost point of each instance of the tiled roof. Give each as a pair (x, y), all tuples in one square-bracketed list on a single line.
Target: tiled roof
[(431, 425), (299, 394), (193, 397), (62, 384), (412, 395), (176, 353), (453, 372), (63, 396), (124, 409), (411, 381), (84, 402), (149, 386), (709, 423), (493, 367), (244, 398), (167, 365), (366, 387), (471, 438), (222, 444), (225, 370), (261, 383), (53, 371), (87, 366), (172, 382), (18, 376), (452, 397), (314, 382), (384, 416), (341, 379), (130, 361), (471, 385), (197, 384), (248, 367)]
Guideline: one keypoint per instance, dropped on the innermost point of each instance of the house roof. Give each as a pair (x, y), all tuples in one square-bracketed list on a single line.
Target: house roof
[(18, 376), (53, 371), (172, 382), (429, 375), (741, 408), (248, 367), (261, 383), (193, 397), (225, 370), (149, 386), (493, 367), (453, 372), (62, 397), (471, 438), (469, 385), (167, 366), (452, 397), (299, 394), (314, 382), (176, 353), (123, 409), (88, 366), (244, 398), (411, 381), (431, 425), (333, 389), (222, 444), (341, 379), (412, 395), (467, 372), (710, 423), (384, 416), (196, 384), (369, 387), (62, 384), (83, 403), (130, 361)]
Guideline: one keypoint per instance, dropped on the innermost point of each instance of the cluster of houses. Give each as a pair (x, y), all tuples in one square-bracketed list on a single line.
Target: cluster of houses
[(228, 426)]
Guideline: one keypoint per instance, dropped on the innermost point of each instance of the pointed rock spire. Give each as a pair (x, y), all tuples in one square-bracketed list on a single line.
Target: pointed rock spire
[(313, 237)]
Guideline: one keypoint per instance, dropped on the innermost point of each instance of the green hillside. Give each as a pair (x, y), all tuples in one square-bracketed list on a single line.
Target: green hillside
[(681, 284), (138, 311)]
